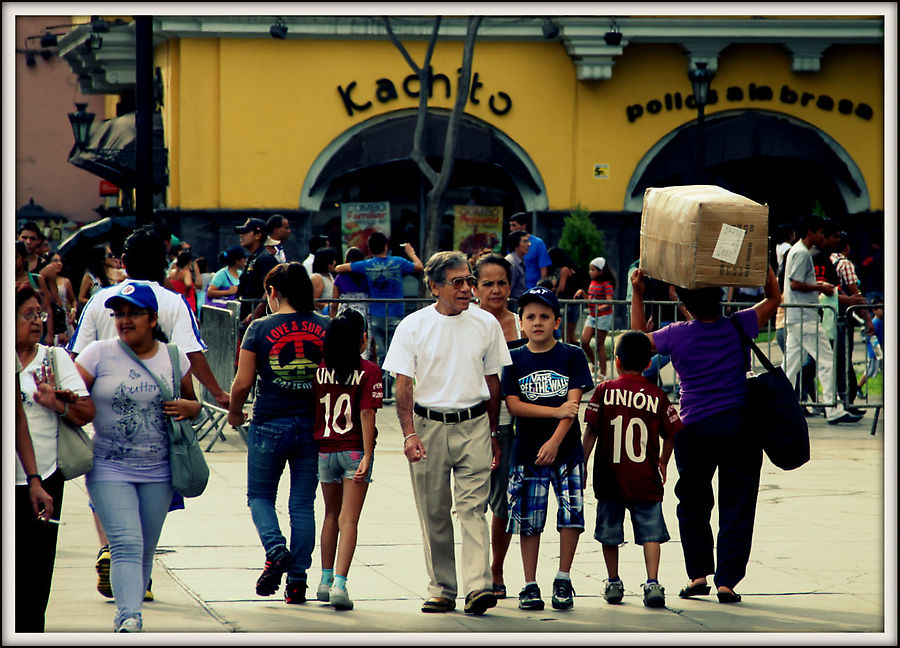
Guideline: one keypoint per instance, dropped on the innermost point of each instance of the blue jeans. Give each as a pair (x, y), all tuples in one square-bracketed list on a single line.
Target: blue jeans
[(271, 444), (132, 515)]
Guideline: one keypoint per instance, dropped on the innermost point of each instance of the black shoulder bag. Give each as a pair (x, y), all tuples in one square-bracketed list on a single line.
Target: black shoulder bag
[(774, 412)]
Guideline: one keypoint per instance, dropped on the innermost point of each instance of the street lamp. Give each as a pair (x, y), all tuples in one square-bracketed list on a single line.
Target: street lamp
[(700, 78), (81, 121)]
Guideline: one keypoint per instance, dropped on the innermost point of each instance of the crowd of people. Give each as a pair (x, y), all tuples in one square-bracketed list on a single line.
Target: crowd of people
[(488, 389)]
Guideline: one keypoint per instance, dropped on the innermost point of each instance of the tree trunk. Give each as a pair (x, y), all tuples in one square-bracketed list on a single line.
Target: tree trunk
[(439, 181)]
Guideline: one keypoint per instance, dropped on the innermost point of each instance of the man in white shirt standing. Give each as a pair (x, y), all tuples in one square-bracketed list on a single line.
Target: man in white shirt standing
[(802, 329), (454, 355)]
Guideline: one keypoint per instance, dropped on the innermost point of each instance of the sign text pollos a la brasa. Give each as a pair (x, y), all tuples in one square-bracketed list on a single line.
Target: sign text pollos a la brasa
[(787, 95)]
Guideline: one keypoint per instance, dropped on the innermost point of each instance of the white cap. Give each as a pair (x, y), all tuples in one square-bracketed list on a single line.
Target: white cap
[(599, 263)]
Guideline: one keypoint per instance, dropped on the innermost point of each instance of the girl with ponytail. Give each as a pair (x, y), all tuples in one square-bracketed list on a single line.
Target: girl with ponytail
[(348, 391)]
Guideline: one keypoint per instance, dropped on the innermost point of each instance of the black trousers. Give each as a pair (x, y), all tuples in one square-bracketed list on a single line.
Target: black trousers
[(717, 442), (35, 555)]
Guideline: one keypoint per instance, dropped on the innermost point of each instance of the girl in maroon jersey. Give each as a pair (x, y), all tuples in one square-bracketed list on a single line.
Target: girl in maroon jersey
[(348, 391)]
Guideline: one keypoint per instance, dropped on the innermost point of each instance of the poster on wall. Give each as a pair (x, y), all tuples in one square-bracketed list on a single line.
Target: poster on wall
[(476, 227), (360, 220)]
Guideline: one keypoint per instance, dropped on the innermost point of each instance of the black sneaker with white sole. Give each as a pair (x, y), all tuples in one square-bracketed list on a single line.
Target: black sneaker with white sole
[(562, 594), (530, 598)]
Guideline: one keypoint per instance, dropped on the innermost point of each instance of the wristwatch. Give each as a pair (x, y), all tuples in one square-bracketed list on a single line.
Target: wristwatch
[(494, 435), (34, 476)]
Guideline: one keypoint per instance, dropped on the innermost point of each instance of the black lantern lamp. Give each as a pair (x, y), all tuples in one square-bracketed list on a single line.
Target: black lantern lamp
[(279, 29), (549, 28), (700, 78), (81, 121), (613, 37), (49, 39)]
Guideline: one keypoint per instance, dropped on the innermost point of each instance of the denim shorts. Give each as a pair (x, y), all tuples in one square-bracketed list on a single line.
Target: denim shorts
[(646, 520), (529, 491), (337, 466), (600, 322)]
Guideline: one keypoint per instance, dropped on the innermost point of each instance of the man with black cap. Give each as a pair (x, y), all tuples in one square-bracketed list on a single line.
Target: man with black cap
[(259, 261)]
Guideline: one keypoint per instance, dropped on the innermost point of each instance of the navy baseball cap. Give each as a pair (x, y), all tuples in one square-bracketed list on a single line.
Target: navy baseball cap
[(540, 295), (138, 293), (251, 225)]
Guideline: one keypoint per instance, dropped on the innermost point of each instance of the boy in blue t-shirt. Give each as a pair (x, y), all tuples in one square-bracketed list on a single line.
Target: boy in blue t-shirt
[(543, 388)]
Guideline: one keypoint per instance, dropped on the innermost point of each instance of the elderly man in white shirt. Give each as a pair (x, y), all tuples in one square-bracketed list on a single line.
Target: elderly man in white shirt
[(449, 419)]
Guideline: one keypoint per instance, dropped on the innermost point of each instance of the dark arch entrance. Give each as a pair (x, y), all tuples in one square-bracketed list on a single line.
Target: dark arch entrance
[(370, 162), (768, 157)]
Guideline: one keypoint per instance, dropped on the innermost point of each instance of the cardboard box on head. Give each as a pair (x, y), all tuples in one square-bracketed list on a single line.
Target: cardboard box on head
[(696, 236)]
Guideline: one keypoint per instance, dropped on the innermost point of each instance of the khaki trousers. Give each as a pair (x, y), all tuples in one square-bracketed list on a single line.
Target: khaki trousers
[(465, 450)]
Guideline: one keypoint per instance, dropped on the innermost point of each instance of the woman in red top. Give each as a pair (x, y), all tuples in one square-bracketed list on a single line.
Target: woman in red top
[(182, 279), (600, 316), (348, 391)]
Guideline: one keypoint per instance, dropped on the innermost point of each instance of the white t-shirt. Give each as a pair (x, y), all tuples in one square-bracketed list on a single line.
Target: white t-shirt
[(176, 320), (799, 267), (42, 422), (780, 250), (448, 356), (130, 432)]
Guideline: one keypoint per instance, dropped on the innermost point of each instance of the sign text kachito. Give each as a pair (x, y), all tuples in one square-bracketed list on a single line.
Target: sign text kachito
[(499, 103)]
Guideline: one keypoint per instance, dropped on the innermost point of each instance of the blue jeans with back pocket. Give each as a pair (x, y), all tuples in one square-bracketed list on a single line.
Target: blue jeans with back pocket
[(271, 444)]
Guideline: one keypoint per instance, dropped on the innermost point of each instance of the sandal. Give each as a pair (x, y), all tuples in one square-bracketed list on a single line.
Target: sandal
[(438, 604), (691, 589), (499, 590), (728, 597)]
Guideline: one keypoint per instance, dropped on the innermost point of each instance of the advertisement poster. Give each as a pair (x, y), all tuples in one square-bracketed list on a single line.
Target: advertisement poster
[(476, 227), (360, 220)]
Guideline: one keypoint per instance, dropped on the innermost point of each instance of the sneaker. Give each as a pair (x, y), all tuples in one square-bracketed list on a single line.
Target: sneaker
[(340, 598), (102, 566), (530, 598), (654, 595), (562, 594), (846, 417), (148, 595), (613, 591), (295, 591), (277, 562), (131, 624), (322, 592)]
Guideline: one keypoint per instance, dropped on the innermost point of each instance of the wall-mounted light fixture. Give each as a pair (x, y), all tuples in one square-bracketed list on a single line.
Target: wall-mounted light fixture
[(549, 28), (613, 37), (278, 29), (81, 121), (700, 78)]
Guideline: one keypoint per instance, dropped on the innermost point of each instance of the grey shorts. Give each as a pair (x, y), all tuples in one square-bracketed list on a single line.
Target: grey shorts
[(334, 467), (646, 520)]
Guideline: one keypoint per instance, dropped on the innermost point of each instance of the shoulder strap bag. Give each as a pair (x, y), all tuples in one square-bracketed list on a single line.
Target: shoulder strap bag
[(74, 448), (190, 473), (774, 412)]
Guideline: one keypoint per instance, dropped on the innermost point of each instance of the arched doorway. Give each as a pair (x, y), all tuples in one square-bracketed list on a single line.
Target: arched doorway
[(370, 162), (767, 156)]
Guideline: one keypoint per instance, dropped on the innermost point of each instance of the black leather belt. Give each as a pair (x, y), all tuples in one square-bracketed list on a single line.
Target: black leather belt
[(451, 417)]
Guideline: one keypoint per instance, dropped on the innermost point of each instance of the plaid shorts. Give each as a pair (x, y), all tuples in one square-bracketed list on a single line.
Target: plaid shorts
[(529, 490)]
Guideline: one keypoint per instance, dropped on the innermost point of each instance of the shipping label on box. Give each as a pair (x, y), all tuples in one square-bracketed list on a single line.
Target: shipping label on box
[(697, 236)]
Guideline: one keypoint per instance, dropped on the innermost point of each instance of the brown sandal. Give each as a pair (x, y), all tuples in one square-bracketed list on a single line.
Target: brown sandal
[(438, 604)]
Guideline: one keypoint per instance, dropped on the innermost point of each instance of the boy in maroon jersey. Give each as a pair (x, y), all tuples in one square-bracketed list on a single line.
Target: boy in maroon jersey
[(629, 415)]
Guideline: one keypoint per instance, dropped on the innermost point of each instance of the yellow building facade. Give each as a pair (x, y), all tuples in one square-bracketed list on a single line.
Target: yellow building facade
[(557, 118)]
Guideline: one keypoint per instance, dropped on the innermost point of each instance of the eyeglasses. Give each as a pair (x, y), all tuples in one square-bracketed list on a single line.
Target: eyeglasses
[(34, 316), (459, 282), (128, 315)]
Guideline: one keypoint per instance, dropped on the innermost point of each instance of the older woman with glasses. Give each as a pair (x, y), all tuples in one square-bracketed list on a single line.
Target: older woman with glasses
[(130, 484), (43, 403)]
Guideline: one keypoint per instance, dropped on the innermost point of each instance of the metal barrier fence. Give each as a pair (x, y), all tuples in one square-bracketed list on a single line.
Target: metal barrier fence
[(221, 330), (870, 366)]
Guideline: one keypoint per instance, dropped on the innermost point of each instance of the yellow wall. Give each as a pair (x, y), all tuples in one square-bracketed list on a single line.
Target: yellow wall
[(247, 117)]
